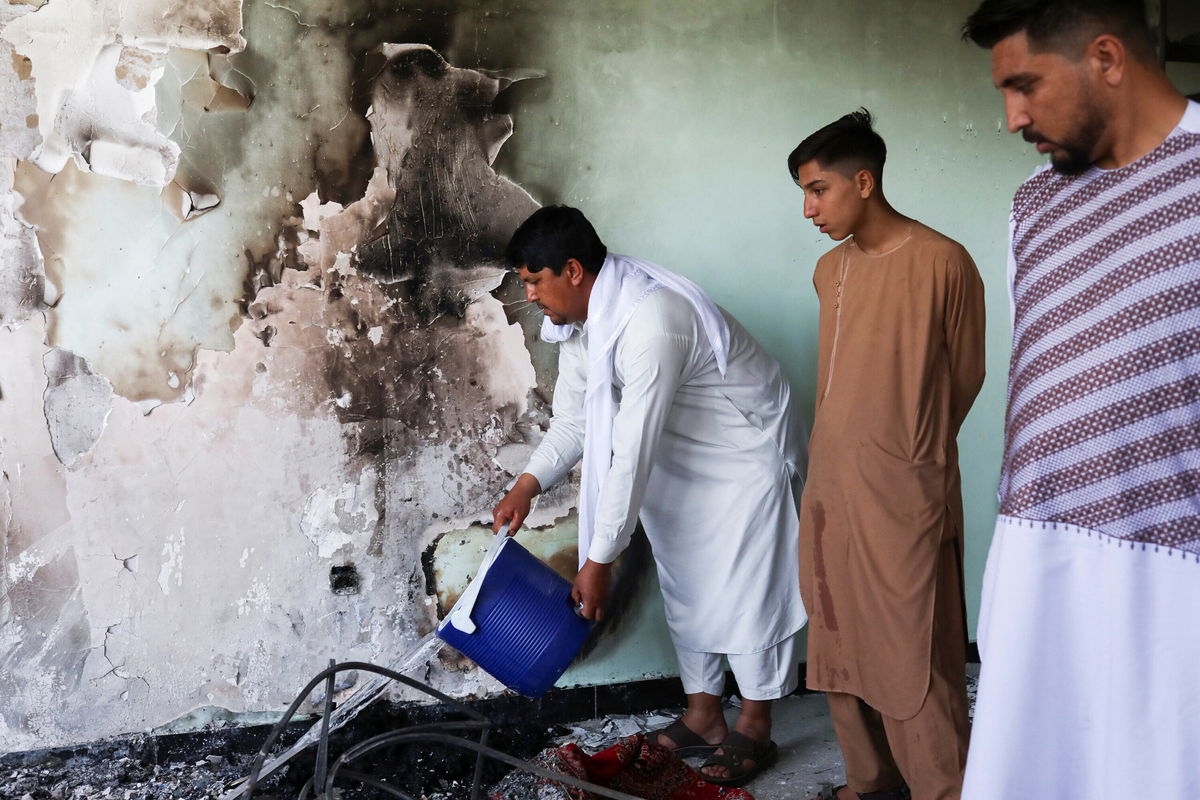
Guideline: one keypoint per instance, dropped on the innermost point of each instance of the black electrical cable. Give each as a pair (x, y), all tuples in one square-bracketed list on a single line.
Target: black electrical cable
[(273, 736), (361, 778), (323, 745), (431, 732), (430, 727)]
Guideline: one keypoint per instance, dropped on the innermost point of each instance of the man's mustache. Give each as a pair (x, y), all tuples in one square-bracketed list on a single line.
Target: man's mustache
[(1032, 136)]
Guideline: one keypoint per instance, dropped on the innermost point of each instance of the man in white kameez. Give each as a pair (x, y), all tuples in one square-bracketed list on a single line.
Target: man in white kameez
[(680, 418)]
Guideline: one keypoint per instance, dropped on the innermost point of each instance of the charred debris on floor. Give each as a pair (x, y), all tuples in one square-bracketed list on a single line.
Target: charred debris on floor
[(407, 750)]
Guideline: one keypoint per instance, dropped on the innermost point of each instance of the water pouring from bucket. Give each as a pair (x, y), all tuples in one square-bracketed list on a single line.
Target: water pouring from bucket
[(516, 619)]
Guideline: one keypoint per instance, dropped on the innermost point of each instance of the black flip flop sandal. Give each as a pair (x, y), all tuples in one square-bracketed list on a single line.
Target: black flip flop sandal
[(902, 793), (688, 743), (738, 749)]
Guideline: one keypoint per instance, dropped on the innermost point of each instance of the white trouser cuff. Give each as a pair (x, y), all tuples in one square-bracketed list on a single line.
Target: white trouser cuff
[(766, 675)]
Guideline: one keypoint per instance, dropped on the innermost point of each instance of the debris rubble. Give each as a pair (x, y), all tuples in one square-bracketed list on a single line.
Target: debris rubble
[(126, 772)]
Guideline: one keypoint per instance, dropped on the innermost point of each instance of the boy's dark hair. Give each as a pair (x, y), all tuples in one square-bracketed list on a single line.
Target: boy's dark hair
[(850, 142), (553, 235), (1062, 26)]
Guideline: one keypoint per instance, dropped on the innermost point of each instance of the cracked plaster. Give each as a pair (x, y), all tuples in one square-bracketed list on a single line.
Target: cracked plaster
[(76, 405), (309, 300)]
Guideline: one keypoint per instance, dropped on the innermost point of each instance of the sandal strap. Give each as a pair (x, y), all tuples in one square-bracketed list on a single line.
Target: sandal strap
[(736, 748), (735, 751), (890, 794), (682, 736), (741, 743), (902, 793)]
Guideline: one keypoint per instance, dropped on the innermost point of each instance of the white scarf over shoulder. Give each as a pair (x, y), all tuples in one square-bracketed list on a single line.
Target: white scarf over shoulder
[(622, 284)]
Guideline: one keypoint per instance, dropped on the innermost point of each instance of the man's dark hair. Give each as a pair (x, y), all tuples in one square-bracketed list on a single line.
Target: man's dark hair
[(1062, 26), (848, 145), (553, 235)]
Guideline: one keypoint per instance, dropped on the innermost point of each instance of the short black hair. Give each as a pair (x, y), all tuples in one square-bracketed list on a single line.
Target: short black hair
[(553, 235), (1062, 26), (848, 142)]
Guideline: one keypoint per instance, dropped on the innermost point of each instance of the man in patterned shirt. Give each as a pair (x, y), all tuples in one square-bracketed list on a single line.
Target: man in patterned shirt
[(1091, 647)]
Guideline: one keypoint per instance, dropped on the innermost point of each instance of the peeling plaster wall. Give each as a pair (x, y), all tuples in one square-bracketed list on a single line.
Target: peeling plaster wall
[(259, 358), (261, 375), (253, 332)]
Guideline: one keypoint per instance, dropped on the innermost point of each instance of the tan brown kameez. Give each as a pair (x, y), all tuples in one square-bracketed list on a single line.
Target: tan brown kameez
[(901, 360)]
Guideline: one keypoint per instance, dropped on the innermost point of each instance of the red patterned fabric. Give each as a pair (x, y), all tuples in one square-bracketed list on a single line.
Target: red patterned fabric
[(638, 767)]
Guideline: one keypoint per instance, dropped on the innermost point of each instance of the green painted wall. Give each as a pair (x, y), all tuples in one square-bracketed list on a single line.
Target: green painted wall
[(1186, 77), (669, 123)]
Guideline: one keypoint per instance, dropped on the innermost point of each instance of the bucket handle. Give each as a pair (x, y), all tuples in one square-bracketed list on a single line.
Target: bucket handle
[(460, 615)]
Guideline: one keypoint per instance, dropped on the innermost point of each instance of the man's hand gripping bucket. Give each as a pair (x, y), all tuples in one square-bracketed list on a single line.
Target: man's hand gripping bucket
[(516, 620)]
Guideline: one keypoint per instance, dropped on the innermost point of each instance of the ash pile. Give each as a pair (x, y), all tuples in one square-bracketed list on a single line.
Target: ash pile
[(356, 750), (128, 770), (214, 764)]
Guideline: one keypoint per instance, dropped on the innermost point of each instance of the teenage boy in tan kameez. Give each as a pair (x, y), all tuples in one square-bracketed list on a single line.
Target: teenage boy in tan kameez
[(901, 360)]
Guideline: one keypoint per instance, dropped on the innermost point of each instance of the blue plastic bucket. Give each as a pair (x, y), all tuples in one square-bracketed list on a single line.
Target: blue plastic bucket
[(516, 620)]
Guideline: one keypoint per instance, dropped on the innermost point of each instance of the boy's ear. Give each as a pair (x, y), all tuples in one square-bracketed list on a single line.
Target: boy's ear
[(864, 182)]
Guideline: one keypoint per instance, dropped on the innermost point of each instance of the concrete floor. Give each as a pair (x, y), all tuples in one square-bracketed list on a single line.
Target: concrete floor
[(809, 760), (809, 757)]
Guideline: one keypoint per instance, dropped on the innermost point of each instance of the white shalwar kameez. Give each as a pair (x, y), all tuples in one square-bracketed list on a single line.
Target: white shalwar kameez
[(1088, 632), (709, 462)]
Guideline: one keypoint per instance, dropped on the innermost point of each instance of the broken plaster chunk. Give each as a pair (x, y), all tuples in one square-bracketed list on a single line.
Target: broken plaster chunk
[(18, 137), (76, 404), (147, 405), (171, 567), (24, 289), (80, 99), (334, 519), (342, 264), (139, 164), (187, 203), (137, 68), (205, 91), (227, 99)]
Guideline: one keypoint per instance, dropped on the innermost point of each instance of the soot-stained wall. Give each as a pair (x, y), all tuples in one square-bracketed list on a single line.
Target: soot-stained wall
[(261, 375), (258, 353)]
